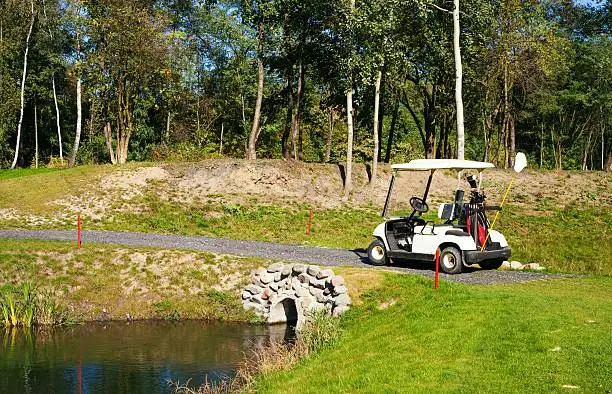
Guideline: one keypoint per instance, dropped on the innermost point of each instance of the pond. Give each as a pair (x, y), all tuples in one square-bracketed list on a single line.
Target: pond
[(136, 357)]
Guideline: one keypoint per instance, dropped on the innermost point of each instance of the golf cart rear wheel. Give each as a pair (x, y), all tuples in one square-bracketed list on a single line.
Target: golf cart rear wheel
[(491, 264), (377, 253), (450, 260)]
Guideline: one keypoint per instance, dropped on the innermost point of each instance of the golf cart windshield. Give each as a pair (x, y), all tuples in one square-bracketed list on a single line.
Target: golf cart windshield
[(432, 165)]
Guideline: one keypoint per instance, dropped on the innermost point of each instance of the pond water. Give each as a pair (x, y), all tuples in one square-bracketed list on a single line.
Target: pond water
[(136, 357)]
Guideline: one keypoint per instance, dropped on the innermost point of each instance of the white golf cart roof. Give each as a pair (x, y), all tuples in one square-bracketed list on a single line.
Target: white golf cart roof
[(439, 164)]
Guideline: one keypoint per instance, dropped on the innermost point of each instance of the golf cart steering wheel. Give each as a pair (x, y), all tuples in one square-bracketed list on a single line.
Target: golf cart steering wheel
[(419, 205)]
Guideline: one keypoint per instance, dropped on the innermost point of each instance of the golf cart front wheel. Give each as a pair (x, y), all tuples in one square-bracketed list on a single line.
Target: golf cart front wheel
[(450, 260), (377, 253)]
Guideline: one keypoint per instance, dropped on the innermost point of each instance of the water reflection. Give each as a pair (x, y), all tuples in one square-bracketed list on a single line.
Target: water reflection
[(121, 357)]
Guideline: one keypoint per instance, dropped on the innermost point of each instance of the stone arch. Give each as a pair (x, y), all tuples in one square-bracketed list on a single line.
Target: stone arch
[(285, 311), (286, 293)]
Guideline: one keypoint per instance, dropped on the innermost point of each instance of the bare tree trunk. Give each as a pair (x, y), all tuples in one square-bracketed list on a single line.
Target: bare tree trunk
[(251, 151), (487, 145), (504, 128), (330, 132), (602, 146), (57, 117), (167, 136), (77, 136), (108, 136), (375, 128), (587, 146), (221, 141), (300, 110), (381, 110), (392, 132), (36, 133), (348, 184), (542, 146), (295, 121), (23, 79), (458, 83), (511, 143), (244, 124), (287, 132)]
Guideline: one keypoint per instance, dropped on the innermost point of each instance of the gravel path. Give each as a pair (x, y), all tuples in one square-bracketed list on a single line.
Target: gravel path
[(291, 253)]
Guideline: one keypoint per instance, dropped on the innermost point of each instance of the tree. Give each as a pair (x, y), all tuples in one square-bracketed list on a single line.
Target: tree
[(458, 82), (125, 64), (23, 80)]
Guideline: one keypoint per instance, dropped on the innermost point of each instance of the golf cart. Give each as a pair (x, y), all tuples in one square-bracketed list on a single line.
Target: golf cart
[(464, 238)]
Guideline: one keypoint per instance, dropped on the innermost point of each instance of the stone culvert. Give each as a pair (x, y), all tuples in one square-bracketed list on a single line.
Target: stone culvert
[(286, 293)]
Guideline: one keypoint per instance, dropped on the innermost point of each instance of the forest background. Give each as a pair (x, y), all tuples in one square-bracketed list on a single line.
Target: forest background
[(101, 81)]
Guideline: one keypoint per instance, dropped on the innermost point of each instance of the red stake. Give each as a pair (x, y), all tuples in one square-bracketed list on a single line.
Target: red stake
[(437, 268), (309, 223), (79, 232)]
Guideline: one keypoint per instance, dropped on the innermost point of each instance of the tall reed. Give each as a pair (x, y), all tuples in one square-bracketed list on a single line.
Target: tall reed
[(25, 305)]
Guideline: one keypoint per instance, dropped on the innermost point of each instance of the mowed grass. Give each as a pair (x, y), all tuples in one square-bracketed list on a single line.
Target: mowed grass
[(340, 228), (571, 239), (543, 336), (23, 172), (31, 190), (113, 282)]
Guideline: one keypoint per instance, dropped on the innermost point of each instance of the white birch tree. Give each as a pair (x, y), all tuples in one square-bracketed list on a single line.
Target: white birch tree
[(23, 80)]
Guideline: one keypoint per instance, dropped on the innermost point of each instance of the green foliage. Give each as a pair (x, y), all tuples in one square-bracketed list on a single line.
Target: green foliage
[(183, 71)]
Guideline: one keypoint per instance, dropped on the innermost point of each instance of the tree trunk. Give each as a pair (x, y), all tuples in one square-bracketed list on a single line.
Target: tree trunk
[(77, 136), (124, 122), (296, 135), (57, 117), (244, 124), (108, 137), (511, 142), (458, 83), (542, 145), (36, 133), (381, 110), (375, 128), (251, 151), (300, 110), (587, 146), (289, 119), (330, 132), (392, 132), (23, 79), (221, 141), (348, 184), (167, 135)]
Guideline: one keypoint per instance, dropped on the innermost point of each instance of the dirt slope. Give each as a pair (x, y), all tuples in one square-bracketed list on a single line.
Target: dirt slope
[(288, 182)]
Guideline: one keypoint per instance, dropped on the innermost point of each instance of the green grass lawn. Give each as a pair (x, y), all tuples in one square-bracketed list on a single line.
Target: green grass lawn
[(23, 172), (532, 337), (31, 190)]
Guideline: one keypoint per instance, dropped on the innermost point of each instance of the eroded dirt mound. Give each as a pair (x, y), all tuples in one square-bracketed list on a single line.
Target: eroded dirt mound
[(286, 183)]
